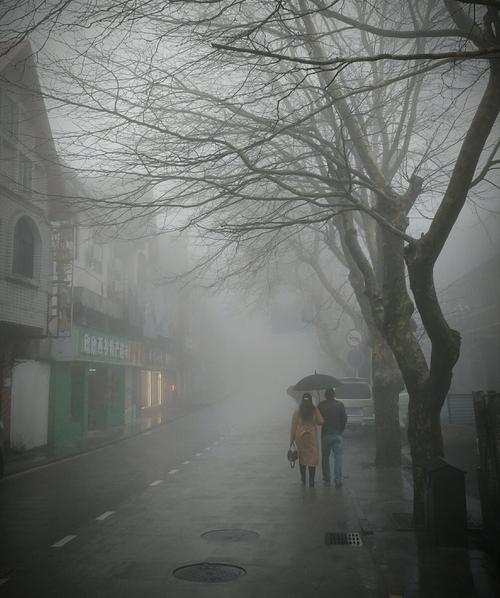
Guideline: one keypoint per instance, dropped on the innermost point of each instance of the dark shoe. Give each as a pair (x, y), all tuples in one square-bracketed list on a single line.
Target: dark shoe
[(311, 484), (327, 482), (338, 483)]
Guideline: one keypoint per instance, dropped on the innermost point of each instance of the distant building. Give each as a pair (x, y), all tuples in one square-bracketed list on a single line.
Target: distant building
[(471, 305), (121, 360)]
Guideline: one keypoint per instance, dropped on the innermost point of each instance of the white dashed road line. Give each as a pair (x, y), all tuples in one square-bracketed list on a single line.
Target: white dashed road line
[(172, 471), (207, 448), (104, 516), (156, 482), (199, 454), (3, 580), (63, 541), (186, 462), (215, 443)]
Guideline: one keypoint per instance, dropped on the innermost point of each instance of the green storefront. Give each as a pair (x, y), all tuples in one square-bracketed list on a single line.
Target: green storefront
[(90, 385)]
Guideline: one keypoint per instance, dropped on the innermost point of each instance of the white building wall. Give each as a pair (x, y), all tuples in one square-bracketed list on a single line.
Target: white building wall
[(30, 404), (89, 268), (23, 301)]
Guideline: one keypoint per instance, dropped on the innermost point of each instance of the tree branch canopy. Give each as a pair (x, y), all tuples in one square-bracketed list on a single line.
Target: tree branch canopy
[(479, 54)]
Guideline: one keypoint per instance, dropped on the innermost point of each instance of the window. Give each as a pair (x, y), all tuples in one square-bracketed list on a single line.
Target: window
[(25, 174), (10, 116), (8, 160), (145, 388), (24, 248)]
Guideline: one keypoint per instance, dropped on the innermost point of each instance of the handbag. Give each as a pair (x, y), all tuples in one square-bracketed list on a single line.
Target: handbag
[(292, 455)]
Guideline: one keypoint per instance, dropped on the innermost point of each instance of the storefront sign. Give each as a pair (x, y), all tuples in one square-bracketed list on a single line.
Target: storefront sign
[(59, 313), (105, 346), (108, 348)]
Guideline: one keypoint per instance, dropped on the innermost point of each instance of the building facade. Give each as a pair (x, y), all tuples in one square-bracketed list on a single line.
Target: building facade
[(29, 176), (471, 305), (118, 366), (89, 341)]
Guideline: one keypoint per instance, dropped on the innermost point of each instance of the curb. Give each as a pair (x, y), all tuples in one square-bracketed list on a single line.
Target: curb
[(49, 461)]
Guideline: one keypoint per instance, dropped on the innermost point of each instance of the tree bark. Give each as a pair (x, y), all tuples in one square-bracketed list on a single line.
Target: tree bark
[(426, 445), (387, 382)]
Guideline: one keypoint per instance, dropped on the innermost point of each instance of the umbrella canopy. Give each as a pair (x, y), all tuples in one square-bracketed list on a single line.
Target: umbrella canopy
[(316, 382), (295, 394)]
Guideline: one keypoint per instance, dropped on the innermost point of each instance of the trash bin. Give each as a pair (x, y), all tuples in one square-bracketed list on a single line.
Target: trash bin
[(446, 509)]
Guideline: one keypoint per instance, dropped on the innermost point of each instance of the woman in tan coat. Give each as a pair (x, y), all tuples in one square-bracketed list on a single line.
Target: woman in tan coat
[(304, 433)]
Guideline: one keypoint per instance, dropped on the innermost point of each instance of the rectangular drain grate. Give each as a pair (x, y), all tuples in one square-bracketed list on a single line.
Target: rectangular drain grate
[(343, 539)]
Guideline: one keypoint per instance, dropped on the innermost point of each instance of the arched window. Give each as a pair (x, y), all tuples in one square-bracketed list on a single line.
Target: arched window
[(24, 248)]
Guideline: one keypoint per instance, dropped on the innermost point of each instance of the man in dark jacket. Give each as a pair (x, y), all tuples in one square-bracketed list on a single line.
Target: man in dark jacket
[(335, 417)]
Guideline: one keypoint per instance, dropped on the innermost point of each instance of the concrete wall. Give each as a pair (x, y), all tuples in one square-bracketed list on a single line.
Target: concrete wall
[(30, 404)]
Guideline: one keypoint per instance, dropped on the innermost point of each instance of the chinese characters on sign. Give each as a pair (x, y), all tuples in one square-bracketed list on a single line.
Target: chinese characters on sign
[(59, 314), (105, 346)]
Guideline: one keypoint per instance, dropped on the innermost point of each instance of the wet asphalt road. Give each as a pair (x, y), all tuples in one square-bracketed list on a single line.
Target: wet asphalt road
[(41, 506), (120, 521)]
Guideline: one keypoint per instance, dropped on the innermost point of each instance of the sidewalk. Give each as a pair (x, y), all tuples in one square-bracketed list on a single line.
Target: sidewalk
[(408, 564), (19, 461)]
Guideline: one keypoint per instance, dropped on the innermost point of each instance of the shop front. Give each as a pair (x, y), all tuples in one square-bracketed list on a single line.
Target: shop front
[(153, 377), (88, 384), (100, 381)]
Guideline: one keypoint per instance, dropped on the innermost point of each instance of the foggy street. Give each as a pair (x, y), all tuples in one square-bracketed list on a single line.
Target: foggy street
[(118, 521), (219, 467), (40, 506), (250, 298)]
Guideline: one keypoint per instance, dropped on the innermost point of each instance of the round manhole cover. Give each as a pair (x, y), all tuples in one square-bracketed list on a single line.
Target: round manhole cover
[(209, 572), (230, 535)]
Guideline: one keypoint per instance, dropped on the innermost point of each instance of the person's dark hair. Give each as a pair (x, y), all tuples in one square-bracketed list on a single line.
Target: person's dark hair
[(306, 407), (329, 393)]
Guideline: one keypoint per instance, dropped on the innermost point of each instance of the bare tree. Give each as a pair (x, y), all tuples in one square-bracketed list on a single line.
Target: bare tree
[(263, 116)]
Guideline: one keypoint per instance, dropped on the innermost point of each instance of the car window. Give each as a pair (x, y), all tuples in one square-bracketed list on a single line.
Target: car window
[(351, 390)]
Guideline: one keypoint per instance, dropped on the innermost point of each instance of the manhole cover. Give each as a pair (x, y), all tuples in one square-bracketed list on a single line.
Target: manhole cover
[(343, 539), (230, 535), (209, 572)]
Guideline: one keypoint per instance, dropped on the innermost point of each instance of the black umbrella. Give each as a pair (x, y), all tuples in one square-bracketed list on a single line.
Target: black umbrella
[(317, 382)]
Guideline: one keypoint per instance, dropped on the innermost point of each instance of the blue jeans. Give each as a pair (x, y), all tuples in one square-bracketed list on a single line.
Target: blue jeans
[(331, 443)]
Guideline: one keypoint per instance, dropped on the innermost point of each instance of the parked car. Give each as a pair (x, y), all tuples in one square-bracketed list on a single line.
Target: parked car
[(356, 394), (2, 452)]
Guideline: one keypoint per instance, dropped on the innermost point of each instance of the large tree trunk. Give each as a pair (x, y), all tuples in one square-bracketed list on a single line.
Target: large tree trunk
[(387, 381), (386, 377), (426, 445)]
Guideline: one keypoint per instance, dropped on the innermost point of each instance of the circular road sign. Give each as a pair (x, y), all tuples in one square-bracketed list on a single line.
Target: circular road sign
[(354, 338)]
